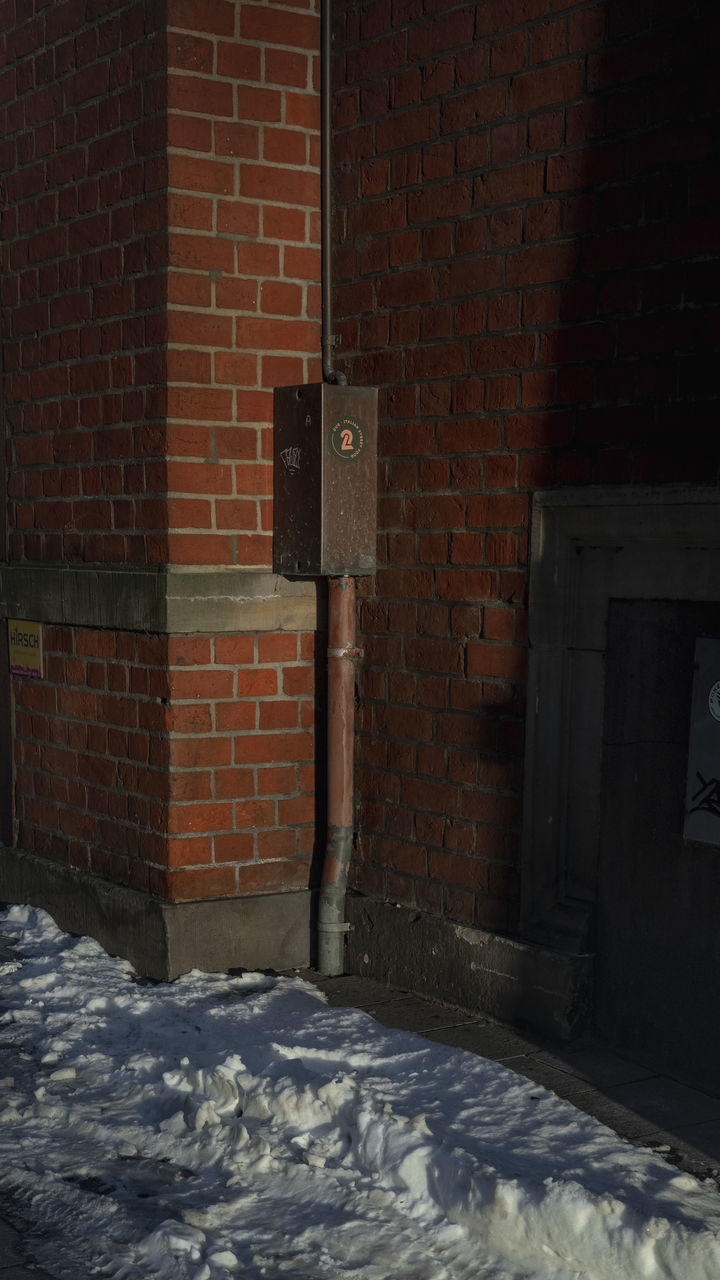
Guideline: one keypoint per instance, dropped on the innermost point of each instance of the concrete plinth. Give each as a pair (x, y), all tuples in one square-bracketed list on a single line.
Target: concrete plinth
[(163, 940), (506, 979)]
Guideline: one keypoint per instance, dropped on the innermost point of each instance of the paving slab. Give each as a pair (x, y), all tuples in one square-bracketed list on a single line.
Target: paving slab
[(412, 1013), (622, 1120), (705, 1138), (489, 1040), (346, 989), (661, 1099), (573, 1089), (597, 1065)]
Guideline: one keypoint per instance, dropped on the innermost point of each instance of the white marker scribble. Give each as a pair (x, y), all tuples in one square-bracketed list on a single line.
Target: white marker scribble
[(291, 458)]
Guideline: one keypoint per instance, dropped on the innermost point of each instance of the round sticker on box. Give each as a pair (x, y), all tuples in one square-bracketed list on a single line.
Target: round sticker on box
[(347, 439), (714, 701)]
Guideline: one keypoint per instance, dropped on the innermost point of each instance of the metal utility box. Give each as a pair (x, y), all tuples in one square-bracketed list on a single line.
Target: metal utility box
[(702, 798), (325, 486)]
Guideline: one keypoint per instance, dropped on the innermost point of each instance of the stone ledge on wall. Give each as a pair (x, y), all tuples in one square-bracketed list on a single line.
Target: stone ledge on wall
[(164, 600)]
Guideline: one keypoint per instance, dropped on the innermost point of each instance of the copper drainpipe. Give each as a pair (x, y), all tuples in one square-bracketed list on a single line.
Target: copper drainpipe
[(340, 742), (341, 609), (330, 373)]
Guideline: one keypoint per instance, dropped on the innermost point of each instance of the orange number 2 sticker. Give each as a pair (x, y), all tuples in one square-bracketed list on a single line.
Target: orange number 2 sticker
[(347, 438)]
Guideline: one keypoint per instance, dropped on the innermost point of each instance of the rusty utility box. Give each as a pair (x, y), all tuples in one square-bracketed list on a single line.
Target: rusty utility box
[(325, 486)]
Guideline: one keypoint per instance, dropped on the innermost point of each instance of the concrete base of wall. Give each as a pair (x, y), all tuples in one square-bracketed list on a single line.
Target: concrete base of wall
[(504, 978), (163, 940)]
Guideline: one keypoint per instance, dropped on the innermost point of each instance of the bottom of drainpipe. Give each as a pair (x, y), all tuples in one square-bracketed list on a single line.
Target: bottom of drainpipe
[(331, 926)]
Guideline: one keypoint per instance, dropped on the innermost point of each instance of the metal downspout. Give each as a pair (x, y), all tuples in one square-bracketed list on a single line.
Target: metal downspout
[(340, 745), (330, 374), (341, 608)]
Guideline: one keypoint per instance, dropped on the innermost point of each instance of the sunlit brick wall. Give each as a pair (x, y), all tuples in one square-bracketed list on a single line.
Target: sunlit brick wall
[(91, 778), (82, 153), (242, 765), (243, 285), (180, 766), (160, 254)]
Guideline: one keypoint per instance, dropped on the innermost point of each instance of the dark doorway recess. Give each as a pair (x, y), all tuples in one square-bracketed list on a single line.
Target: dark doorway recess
[(658, 897)]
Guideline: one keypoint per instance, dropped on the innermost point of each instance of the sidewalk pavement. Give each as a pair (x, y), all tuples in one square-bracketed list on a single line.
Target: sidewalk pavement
[(635, 1100), (631, 1097)]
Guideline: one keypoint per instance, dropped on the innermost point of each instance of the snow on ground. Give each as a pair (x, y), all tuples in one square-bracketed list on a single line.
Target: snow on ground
[(221, 1126)]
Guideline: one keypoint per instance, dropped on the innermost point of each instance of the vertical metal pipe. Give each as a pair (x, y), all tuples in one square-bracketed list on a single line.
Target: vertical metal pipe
[(341, 605), (330, 374), (340, 743)]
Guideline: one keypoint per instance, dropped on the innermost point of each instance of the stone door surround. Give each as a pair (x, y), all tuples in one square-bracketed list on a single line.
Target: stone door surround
[(589, 546)]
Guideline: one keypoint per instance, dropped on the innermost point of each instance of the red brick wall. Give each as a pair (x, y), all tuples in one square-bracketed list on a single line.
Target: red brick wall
[(115, 129), (181, 765), (82, 150), (242, 765), (243, 316), (528, 267), (244, 294), (160, 275), (91, 753)]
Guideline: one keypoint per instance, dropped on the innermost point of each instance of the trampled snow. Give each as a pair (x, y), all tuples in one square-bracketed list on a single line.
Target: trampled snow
[(222, 1125)]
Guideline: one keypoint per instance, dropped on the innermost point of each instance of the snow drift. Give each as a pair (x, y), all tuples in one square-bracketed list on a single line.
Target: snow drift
[(224, 1126)]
